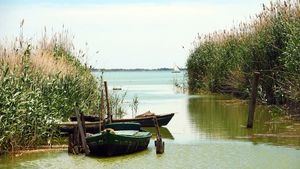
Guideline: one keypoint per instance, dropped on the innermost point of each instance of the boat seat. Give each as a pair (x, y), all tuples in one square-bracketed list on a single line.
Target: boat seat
[(130, 133)]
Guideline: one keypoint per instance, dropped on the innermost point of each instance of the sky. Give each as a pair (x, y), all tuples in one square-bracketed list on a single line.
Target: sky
[(127, 33)]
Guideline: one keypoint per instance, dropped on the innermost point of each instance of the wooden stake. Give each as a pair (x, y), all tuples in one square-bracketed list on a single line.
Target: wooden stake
[(253, 100), (82, 134), (107, 103), (71, 144), (75, 140), (101, 109), (159, 144), (83, 123)]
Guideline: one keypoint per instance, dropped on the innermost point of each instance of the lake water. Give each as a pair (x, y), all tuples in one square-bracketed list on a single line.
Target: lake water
[(207, 131)]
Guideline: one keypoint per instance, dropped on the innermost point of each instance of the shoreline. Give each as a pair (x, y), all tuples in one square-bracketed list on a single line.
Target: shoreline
[(290, 109), (42, 148)]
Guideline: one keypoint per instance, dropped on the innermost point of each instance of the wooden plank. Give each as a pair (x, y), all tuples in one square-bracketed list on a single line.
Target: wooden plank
[(82, 134), (68, 127)]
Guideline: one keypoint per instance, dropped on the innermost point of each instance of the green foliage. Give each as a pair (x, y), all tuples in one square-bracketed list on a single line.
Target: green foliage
[(269, 44), (116, 102), (32, 102), (134, 105)]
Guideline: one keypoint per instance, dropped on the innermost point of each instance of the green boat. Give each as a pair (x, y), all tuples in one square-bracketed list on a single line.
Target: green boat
[(119, 138)]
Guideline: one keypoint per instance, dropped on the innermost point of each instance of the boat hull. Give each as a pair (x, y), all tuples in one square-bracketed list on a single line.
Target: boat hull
[(110, 144), (115, 149), (163, 120)]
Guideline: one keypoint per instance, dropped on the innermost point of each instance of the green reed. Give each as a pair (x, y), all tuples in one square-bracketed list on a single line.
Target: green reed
[(269, 44), (40, 86)]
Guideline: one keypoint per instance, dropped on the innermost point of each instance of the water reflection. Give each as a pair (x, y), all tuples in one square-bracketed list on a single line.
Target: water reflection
[(206, 132), (164, 132), (224, 118)]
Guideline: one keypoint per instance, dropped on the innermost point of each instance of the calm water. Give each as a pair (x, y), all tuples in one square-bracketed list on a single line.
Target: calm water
[(206, 132)]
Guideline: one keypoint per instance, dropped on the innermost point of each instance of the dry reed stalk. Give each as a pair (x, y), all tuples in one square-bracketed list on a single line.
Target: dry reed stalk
[(48, 65)]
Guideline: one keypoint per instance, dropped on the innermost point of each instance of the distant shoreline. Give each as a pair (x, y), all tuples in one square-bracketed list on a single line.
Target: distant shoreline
[(134, 70)]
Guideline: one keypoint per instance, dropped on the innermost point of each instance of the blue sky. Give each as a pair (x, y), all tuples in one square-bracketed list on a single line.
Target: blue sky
[(127, 33)]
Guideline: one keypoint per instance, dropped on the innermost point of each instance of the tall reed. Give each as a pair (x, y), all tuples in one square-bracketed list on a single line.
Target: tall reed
[(225, 61), (40, 86)]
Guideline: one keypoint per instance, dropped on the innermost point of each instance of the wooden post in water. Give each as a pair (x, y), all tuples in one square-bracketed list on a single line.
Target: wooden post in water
[(252, 101), (73, 145), (107, 103), (159, 144), (83, 123), (81, 132), (101, 110)]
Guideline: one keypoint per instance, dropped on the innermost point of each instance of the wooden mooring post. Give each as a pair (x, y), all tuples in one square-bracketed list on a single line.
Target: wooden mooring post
[(101, 112), (252, 101), (159, 144), (77, 140), (73, 145), (109, 116)]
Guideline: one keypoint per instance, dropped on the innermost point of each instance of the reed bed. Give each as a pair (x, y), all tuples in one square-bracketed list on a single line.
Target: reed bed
[(225, 61), (40, 85)]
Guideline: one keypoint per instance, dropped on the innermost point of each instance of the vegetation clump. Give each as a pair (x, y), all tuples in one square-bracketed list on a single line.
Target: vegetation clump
[(40, 85), (225, 61)]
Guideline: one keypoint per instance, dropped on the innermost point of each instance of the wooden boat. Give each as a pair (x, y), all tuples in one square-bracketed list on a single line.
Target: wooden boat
[(119, 138), (145, 121)]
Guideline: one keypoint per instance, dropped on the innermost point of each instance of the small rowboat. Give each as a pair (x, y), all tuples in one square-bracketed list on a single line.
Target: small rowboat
[(119, 138), (145, 121)]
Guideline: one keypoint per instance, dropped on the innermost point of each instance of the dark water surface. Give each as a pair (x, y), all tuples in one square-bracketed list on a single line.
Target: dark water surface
[(207, 131)]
